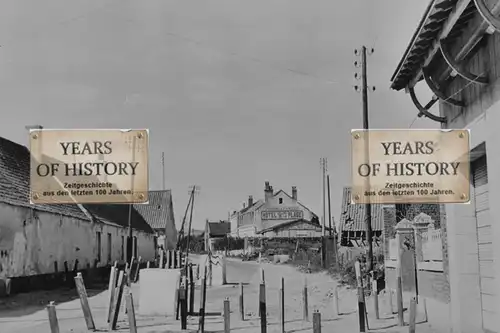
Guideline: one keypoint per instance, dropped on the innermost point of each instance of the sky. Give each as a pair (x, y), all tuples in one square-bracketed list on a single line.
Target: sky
[(234, 92)]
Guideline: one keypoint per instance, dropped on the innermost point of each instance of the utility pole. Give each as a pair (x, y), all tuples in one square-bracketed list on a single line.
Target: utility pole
[(323, 162), (364, 95), (193, 192), (163, 169), (130, 243), (329, 205)]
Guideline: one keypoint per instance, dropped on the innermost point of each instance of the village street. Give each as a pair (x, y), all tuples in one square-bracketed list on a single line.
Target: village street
[(320, 288)]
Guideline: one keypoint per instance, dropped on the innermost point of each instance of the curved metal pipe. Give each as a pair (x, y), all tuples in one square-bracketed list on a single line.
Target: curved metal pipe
[(459, 68), (435, 89), (425, 110), (487, 15)]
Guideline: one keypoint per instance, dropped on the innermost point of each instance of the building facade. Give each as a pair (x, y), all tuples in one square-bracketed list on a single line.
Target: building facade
[(456, 52), (215, 231), (159, 214), (352, 227), (41, 240), (262, 218)]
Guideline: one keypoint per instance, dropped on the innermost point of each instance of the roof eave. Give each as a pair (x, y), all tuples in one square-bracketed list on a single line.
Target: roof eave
[(429, 8)]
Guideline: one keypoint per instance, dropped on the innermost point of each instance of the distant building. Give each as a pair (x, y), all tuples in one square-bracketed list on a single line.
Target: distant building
[(214, 231), (277, 215), (159, 214), (352, 228)]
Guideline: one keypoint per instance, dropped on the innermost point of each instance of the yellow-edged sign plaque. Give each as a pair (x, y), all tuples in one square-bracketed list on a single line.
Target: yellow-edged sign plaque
[(89, 166), (410, 166)]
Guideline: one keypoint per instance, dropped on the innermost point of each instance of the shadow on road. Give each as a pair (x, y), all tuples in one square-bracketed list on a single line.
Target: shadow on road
[(28, 303)]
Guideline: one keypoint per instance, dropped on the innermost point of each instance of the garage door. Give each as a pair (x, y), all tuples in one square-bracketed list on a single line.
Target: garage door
[(484, 242)]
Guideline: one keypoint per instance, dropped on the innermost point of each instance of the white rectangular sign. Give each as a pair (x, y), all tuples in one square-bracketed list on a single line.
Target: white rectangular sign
[(410, 166), (89, 166)]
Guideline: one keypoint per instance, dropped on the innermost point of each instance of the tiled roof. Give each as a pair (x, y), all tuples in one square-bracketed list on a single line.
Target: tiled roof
[(219, 228), (352, 216), (118, 214), (289, 223), (14, 181), (425, 37), (14, 190), (159, 210)]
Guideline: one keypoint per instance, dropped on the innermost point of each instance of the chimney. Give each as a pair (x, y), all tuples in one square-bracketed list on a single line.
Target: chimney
[(294, 192), (243, 205), (268, 191), (250, 201)]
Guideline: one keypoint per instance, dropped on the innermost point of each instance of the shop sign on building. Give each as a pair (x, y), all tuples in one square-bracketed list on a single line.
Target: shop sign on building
[(276, 214), (89, 166), (410, 166)]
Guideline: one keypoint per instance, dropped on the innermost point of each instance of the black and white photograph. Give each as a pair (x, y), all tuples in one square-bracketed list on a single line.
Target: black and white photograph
[(249, 166)]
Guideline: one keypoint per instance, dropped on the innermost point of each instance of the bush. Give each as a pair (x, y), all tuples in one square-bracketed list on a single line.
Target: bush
[(347, 272)]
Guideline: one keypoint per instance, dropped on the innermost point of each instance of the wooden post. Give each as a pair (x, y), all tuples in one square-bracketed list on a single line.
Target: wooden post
[(118, 296), (305, 305), (80, 287), (375, 298), (424, 304), (389, 291), (129, 299), (336, 301), (361, 298), (209, 271), (183, 305), (281, 303), (224, 269), (262, 308), (227, 319), (242, 306), (129, 271), (316, 322), (54, 324), (203, 293), (399, 301), (191, 290), (413, 315), (136, 275), (111, 290), (125, 272), (262, 276)]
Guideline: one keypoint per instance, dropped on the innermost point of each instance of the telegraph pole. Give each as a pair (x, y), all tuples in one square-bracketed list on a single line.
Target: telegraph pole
[(323, 162), (193, 192), (163, 169), (329, 205), (364, 95)]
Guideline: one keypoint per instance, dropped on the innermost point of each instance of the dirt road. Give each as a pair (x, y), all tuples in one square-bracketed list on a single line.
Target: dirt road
[(320, 287)]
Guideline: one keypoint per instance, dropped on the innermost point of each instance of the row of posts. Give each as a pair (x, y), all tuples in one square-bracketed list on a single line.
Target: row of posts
[(262, 306), (118, 280), (362, 310), (170, 259)]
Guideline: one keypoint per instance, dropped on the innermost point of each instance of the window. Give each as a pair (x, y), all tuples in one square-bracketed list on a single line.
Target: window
[(98, 246), (109, 247), (122, 257), (280, 200)]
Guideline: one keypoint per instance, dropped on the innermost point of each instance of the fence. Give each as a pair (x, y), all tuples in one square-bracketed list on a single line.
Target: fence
[(428, 244)]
